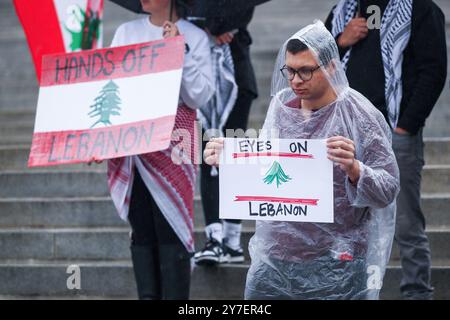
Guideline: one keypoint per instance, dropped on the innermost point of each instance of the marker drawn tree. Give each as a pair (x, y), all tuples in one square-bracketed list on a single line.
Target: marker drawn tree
[(106, 104), (277, 174)]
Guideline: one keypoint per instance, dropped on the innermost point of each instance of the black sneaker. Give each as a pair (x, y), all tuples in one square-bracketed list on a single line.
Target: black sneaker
[(231, 255), (211, 254)]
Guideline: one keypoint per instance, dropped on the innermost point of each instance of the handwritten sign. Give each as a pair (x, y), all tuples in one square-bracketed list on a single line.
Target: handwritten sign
[(276, 180), (108, 103)]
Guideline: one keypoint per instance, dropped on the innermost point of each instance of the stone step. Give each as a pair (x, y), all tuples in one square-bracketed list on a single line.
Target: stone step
[(112, 243), (56, 183), (92, 212), (435, 208), (13, 116), (64, 244), (16, 100), (436, 179), (16, 97), (89, 181), (437, 151), (15, 140), (74, 213), (39, 279), (33, 279), (438, 239), (81, 183), (16, 129), (440, 280), (106, 244)]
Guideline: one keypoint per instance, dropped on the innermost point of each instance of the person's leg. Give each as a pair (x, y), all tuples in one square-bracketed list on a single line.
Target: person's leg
[(232, 241), (144, 253), (209, 188), (209, 185), (212, 252), (223, 242), (237, 121), (175, 260), (410, 227)]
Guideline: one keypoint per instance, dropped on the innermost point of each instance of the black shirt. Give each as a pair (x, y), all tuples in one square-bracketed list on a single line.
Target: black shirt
[(424, 64)]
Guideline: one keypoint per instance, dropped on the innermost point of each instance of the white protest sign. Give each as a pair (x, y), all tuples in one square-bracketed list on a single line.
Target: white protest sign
[(276, 180)]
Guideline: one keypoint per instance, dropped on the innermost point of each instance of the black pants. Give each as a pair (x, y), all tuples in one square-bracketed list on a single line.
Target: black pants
[(148, 224), (169, 259), (209, 185)]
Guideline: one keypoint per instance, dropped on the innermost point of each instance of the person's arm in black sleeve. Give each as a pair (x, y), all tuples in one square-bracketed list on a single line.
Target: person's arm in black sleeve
[(329, 20), (239, 21), (329, 26), (430, 50)]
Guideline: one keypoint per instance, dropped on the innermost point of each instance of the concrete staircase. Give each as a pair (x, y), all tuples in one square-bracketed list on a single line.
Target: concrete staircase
[(55, 217)]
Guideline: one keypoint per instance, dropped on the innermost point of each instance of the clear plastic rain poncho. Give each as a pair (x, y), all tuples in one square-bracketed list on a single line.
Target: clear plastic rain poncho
[(346, 259)]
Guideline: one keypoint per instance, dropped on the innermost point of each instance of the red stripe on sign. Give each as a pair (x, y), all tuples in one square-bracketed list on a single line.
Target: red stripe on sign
[(311, 202), (273, 154), (76, 146), (113, 63), (41, 25)]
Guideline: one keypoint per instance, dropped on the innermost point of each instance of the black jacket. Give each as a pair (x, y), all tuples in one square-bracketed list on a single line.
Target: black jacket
[(240, 50), (424, 65), (240, 46)]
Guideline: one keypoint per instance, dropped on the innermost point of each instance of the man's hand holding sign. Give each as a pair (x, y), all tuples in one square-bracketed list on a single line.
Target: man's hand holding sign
[(342, 151), (279, 180)]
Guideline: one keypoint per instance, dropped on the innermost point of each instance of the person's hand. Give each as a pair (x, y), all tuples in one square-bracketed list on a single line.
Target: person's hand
[(355, 31), (170, 29), (342, 151), (212, 151), (225, 38), (401, 131)]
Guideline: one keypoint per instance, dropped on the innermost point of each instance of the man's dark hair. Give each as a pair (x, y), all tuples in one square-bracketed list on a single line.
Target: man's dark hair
[(295, 46)]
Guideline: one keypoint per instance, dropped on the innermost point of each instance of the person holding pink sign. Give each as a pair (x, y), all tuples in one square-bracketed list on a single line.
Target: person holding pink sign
[(149, 190)]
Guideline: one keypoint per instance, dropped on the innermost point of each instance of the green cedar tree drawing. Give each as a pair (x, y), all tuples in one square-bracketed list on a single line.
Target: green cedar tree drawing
[(277, 174), (106, 104)]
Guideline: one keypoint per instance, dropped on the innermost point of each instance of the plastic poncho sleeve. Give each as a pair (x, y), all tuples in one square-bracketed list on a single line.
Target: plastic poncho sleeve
[(378, 183)]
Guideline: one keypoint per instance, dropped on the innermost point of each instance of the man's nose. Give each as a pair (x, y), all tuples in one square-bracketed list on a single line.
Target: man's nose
[(297, 79)]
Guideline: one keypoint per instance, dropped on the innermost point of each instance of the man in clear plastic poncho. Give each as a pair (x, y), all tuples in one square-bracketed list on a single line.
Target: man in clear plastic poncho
[(346, 259)]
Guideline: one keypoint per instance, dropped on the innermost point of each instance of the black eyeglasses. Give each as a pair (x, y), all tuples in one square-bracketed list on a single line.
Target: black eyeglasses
[(305, 74)]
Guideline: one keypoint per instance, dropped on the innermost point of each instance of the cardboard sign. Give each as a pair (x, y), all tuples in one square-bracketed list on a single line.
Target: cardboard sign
[(276, 180), (108, 103)]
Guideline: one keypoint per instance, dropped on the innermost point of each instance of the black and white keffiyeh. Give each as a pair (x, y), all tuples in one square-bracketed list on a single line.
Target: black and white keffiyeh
[(395, 34)]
